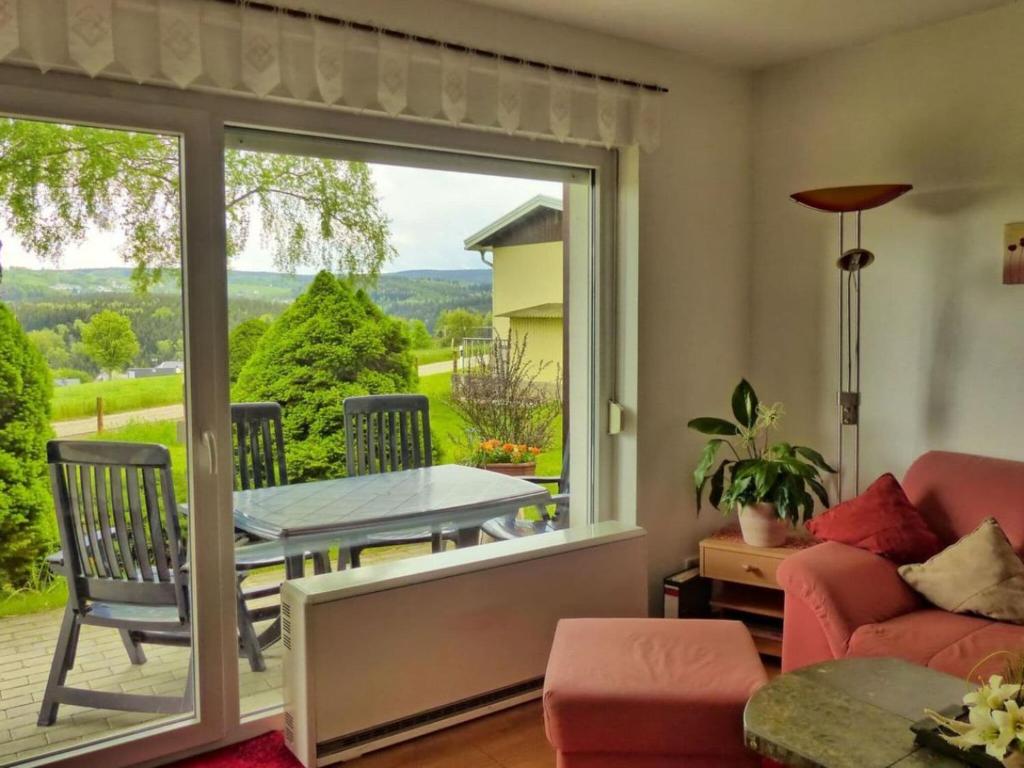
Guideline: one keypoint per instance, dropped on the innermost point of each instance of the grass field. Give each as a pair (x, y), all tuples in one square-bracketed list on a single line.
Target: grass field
[(446, 428), (432, 355), (120, 395)]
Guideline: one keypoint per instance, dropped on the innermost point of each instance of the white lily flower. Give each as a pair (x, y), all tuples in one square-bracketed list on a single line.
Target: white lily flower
[(1013, 718), (993, 694), (993, 730)]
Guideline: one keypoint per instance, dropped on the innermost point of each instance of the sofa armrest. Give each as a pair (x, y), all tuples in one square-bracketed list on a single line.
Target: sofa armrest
[(844, 588)]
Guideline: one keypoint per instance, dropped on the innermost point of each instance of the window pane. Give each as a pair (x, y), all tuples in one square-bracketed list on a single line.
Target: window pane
[(439, 294), (91, 331)]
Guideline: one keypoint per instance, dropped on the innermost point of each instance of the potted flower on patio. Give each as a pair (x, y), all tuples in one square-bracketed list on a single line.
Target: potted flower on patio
[(766, 483), (511, 415), (507, 458)]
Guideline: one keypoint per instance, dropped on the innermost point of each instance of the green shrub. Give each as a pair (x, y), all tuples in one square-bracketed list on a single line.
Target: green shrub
[(332, 343), (26, 524), (72, 373)]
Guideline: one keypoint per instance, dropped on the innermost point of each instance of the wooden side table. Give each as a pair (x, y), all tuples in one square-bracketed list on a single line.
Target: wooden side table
[(744, 585)]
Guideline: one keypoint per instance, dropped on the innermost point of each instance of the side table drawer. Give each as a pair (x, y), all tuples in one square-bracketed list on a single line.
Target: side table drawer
[(739, 567)]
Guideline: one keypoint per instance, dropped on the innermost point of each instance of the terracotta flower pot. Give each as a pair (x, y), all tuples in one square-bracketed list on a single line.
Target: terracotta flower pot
[(761, 525), (516, 470)]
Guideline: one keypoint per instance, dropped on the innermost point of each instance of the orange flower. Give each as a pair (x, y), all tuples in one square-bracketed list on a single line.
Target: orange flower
[(535, 451), (508, 447)]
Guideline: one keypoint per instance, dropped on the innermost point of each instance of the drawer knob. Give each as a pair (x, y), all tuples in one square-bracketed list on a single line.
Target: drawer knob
[(748, 568)]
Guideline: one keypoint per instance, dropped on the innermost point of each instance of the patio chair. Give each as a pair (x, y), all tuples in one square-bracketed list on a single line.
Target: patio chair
[(125, 561), (512, 527), (386, 433), (258, 446)]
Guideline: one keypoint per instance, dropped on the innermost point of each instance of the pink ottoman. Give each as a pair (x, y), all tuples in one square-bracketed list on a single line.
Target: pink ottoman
[(650, 693)]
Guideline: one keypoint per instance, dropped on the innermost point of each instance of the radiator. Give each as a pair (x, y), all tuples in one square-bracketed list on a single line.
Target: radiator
[(385, 653)]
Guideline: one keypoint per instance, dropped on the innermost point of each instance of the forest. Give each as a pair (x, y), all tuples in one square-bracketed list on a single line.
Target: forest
[(53, 306)]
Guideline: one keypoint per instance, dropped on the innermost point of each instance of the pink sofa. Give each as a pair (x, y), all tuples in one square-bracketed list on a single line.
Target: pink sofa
[(842, 601)]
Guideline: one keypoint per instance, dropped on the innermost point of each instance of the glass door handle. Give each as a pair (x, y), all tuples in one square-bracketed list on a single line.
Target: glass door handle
[(210, 441)]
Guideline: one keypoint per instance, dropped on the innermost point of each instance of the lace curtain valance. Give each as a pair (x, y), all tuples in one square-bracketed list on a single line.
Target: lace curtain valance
[(217, 46)]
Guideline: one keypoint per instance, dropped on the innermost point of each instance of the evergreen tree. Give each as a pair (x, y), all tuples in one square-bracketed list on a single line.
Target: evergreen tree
[(26, 524), (332, 343), (242, 343)]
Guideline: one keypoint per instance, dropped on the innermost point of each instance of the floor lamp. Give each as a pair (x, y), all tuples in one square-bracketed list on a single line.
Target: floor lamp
[(844, 200)]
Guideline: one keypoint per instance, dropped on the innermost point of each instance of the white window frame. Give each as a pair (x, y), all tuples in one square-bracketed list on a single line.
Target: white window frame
[(200, 119)]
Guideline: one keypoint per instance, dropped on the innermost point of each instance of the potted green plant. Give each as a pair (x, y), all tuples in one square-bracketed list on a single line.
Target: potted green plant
[(767, 484)]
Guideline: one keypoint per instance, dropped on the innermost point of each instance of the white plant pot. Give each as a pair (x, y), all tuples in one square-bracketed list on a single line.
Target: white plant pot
[(761, 525)]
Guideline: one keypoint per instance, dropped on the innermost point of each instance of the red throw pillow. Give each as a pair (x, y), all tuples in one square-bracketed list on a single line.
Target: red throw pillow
[(881, 520)]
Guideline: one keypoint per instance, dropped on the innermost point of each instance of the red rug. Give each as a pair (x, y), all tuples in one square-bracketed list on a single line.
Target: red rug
[(266, 751)]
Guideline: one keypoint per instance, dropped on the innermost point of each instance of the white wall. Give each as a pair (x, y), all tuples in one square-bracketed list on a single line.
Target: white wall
[(693, 228), (943, 339)]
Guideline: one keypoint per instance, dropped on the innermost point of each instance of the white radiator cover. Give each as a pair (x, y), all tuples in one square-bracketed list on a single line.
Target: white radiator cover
[(380, 654)]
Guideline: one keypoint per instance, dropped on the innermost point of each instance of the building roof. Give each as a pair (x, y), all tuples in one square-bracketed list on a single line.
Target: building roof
[(552, 310), (493, 232)]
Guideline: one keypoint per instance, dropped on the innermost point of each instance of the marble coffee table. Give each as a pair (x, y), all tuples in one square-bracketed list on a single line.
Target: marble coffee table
[(850, 713)]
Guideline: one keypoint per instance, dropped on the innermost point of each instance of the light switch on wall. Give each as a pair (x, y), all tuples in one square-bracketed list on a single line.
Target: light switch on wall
[(1013, 253)]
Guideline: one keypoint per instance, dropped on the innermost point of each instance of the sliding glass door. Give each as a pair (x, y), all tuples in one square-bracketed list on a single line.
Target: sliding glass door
[(110, 634)]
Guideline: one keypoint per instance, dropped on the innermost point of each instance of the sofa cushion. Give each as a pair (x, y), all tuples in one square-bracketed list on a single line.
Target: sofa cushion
[(881, 520), (956, 491), (650, 686), (980, 574), (948, 642), (917, 636)]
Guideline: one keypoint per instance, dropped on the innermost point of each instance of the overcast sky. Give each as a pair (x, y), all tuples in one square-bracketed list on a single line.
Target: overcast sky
[(431, 212)]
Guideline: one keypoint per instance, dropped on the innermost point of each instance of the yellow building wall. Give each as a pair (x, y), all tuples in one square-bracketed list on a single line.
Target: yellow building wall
[(543, 344), (526, 275)]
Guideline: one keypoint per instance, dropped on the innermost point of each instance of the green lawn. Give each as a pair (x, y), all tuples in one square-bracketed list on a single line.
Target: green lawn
[(49, 595), (446, 430), (432, 355), (79, 401)]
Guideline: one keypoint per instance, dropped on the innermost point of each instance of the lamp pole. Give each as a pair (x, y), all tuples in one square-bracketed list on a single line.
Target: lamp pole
[(843, 200)]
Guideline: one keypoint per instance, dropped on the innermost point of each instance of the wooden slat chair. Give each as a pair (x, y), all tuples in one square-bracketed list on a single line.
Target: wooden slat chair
[(511, 527), (125, 561), (257, 441), (386, 433)]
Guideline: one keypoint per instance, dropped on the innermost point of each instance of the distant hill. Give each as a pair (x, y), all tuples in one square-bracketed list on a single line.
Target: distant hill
[(481, 276), (420, 293)]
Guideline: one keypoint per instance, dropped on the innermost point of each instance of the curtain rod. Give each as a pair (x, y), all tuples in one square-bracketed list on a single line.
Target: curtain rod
[(298, 14)]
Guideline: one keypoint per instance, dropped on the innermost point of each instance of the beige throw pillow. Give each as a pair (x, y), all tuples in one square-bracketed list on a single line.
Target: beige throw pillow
[(979, 574)]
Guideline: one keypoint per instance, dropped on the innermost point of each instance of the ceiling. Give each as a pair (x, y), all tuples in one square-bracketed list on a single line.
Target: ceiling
[(748, 33)]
